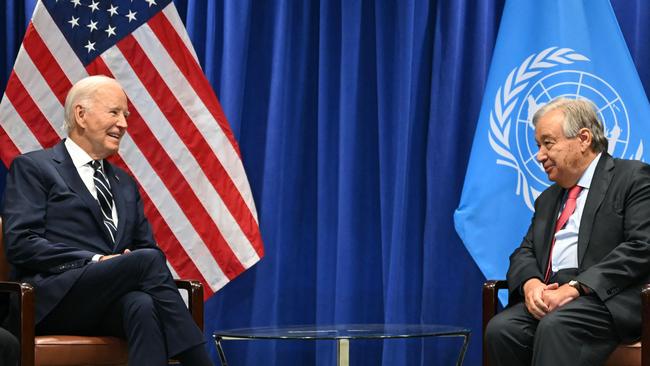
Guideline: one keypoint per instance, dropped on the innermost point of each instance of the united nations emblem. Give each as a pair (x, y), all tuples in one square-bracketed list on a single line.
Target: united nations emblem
[(531, 85)]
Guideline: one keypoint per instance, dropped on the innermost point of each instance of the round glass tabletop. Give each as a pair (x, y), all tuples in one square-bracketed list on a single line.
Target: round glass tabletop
[(344, 331)]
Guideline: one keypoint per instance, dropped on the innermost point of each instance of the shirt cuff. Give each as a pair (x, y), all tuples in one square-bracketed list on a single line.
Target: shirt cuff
[(96, 258)]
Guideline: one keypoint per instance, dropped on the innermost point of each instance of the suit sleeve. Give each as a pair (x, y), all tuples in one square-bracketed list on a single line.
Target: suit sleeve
[(523, 265), (24, 215), (629, 261), (142, 235)]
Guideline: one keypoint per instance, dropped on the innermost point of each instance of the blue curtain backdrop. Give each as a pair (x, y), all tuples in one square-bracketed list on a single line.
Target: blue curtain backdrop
[(355, 120)]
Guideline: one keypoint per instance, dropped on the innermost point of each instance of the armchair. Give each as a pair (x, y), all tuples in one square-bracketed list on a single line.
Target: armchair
[(74, 350), (624, 355)]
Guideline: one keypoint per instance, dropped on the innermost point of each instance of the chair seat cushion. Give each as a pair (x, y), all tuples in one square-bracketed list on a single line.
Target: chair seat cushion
[(55, 350), (625, 355)]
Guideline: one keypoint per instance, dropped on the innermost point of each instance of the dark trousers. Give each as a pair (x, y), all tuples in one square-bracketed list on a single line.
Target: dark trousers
[(579, 333), (9, 348), (131, 296)]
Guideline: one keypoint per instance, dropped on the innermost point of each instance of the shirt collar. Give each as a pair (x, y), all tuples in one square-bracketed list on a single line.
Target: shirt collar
[(78, 155), (588, 175)]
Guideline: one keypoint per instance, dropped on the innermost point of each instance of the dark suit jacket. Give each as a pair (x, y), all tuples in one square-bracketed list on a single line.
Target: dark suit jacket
[(613, 240), (53, 226)]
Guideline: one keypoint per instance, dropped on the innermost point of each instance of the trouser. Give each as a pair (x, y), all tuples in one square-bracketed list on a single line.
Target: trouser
[(9, 348), (579, 333), (131, 296)]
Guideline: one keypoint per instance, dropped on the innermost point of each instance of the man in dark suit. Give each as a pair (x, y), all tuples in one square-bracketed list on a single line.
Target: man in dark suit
[(575, 281), (75, 229)]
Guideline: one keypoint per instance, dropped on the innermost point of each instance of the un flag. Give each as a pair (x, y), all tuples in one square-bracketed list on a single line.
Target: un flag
[(545, 49)]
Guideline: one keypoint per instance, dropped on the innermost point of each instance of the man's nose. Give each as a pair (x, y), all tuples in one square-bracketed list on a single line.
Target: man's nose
[(121, 121), (541, 154)]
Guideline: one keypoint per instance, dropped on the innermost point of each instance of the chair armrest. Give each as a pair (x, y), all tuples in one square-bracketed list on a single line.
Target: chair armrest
[(645, 325), (194, 299), (490, 305), (25, 294), (491, 298)]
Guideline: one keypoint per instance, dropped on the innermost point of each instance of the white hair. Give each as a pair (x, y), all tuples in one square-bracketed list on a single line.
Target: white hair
[(81, 92)]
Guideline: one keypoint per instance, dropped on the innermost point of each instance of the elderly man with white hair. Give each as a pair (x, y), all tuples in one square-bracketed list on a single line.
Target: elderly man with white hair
[(575, 280), (75, 229)]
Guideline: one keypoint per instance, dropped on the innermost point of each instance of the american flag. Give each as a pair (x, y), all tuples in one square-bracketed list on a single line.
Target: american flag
[(179, 146)]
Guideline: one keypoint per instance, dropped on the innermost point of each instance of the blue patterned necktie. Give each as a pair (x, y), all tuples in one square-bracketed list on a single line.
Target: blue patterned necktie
[(104, 197)]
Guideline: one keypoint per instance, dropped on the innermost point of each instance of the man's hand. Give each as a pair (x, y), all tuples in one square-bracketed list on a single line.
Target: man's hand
[(107, 257), (559, 297), (533, 294)]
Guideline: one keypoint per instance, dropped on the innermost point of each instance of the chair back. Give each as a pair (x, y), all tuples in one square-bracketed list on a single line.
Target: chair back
[(4, 265)]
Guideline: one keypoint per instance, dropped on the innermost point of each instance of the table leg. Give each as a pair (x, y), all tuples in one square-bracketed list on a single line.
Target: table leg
[(463, 349), (222, 355), (343, 352)]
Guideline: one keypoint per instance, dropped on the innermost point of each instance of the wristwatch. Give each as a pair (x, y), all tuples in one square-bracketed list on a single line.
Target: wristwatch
[(576, 285)]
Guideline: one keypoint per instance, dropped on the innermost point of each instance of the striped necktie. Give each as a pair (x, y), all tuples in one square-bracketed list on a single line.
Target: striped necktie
[(104, 197)]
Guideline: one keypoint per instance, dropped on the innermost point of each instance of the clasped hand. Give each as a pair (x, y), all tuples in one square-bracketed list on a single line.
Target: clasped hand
[(541, 298), (107, 257)]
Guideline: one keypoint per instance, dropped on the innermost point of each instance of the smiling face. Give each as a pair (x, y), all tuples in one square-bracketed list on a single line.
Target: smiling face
[(564, 158), (100, 120)]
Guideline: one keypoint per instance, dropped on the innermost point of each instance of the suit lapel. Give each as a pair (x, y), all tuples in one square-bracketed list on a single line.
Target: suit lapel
[(597, 190), (118, 199), (64, 165), (551, 210)]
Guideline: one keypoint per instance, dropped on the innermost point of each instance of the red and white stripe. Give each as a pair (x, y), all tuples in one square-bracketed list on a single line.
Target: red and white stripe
[(179, 146)]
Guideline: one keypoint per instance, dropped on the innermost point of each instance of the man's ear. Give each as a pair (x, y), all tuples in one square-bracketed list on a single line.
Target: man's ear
[(585, 137), (79, 116)]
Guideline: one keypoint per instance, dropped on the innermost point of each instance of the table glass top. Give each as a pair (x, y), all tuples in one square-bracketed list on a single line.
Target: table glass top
[(343, 331)]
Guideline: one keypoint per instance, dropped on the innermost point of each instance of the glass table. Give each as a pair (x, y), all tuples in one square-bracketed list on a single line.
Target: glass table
[(342, 334)]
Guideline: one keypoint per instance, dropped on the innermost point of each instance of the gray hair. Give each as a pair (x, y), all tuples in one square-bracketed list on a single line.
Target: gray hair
[(81, 92), (578, 114)]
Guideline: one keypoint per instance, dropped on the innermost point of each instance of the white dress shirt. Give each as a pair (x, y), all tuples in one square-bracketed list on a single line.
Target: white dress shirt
[(565, 250), (81, 161)]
